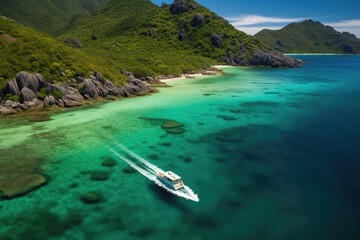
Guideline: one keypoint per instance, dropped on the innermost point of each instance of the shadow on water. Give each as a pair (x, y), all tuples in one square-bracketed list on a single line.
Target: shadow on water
[(168, 198)]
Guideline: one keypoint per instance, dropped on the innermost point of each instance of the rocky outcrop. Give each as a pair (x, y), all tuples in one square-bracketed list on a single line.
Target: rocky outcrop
[(113, 90), (72, 97), (32, 81), (264, 57), (67, 95), (216, 40), (261, 58), (137, 87), (12, 88), (49, 101), (178, 7), (75, 42), (99, 77), (26, 95), (198, 20), (182, 35), (97, 86), (241, 58), (90, 90)]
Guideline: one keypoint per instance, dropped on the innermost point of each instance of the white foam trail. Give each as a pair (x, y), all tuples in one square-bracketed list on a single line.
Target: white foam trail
[(150, 171), (140, 159)]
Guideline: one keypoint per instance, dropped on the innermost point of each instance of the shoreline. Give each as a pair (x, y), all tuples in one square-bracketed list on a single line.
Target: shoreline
[(42, 111), (213, 71)]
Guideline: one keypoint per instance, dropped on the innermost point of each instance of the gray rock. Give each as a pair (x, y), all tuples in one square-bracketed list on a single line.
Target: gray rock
[(7, 110), (60, 103), (26, 95), (15, 105), (23, 106), (99, 77), (50, 88), (137, 87), (229, 58), (264, 57), (198, 20), (74, 42), (90, 89), (71, 103), (112, 89), (94, 37), (12, 88), (36, 102), (31, 81), (46, 101), (8, 103), (52, 100), (72, 97), (178, 7), (103, 92), (182, 35), (30, 105), (79, 79), (150, 79), (216, 40)]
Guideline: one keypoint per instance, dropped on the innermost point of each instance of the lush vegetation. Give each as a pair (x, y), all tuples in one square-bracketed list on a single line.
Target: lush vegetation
[(132, 35), (48, 16), (309, 37), (121, 28), (199, 37), (23, 49)]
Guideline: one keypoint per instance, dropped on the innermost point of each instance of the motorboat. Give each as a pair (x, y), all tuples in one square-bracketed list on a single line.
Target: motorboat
[(171, 180)]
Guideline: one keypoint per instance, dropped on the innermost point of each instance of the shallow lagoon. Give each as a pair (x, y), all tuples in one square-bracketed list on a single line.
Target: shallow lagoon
[(272, 153)]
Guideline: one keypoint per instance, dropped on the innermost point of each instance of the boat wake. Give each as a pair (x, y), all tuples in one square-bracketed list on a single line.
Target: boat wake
[(150, 171)]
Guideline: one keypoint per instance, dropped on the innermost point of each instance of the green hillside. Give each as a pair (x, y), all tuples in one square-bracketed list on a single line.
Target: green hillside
[(132, 35), (48, 16), (24, 49), (199, 33), (147, 39), (309, 37)]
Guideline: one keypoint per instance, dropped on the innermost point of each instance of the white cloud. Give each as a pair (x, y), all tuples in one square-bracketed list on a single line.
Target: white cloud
[(247, 20), (251, 24), (346, 23), (253, 30), (352, 26)]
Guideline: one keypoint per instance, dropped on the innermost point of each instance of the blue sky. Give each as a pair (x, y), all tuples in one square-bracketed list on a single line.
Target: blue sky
[(252, 16)]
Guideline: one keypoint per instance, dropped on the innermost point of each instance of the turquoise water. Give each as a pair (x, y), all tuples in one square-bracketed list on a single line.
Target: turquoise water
[(272, 154)]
